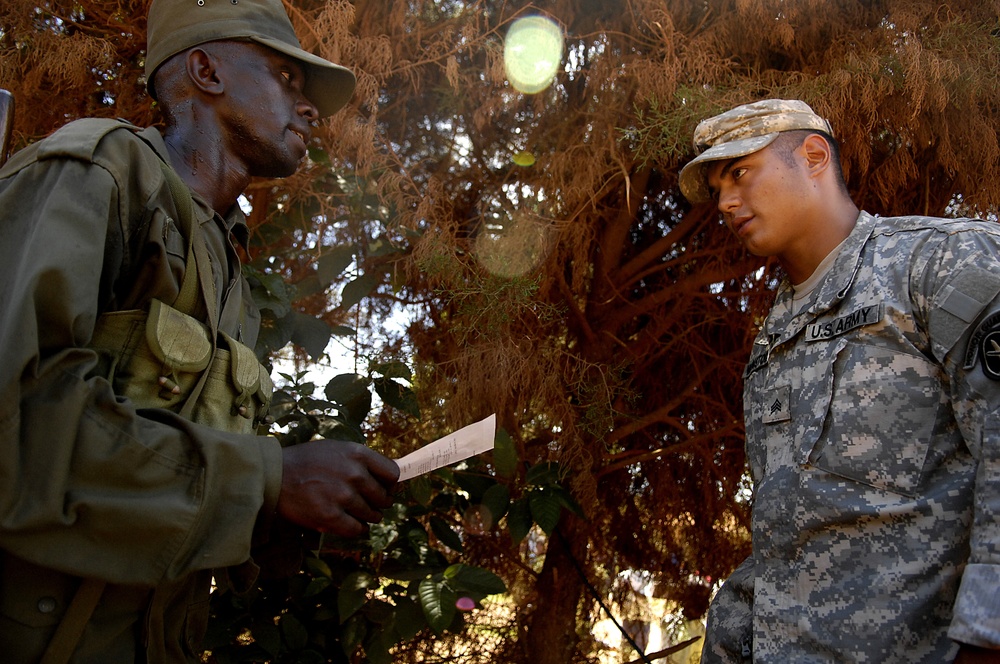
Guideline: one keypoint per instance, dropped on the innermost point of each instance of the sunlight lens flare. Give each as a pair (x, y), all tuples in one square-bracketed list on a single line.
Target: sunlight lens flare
[(532, 52)]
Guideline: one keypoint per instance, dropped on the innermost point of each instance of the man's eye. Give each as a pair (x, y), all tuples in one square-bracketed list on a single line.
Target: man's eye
[(738, 172), (287, 75)]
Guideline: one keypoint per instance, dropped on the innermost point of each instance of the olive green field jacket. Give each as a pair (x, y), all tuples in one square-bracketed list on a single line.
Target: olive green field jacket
[(99, 480)]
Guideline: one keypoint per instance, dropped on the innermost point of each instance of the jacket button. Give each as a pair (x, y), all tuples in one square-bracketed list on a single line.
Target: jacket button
[(47, 604)]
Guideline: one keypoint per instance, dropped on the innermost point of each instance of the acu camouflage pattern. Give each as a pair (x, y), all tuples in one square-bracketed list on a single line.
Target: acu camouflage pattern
[(742, 131), (873, 438)]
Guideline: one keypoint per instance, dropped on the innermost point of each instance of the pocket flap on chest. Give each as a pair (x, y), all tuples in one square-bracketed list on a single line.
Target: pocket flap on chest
[(182, 342)]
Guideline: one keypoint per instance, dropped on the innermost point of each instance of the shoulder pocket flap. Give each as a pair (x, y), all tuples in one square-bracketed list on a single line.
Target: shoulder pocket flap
[(179, 340)]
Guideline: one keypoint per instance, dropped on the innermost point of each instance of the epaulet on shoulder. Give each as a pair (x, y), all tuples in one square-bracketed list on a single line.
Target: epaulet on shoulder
[(890, 225), (79, 139)]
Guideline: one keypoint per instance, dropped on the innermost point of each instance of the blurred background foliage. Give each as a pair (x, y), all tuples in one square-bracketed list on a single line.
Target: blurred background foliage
[(468, 248)]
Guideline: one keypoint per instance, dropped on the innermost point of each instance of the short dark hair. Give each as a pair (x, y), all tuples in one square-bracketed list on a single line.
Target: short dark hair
[(787, 141)]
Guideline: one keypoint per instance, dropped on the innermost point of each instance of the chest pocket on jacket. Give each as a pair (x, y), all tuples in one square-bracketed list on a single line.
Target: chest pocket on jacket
[(882, 414)]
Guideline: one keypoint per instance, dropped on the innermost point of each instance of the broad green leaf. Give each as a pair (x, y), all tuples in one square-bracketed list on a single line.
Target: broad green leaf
[(318, 155), (410, 619), (301, 428), (357, 289), (380, 246), (379, 611), (566, 500), (337, 428), (377, 647), (350, 393), (397, 395), (282, 403), (505, 454), (274, 334), (543, 473), (394, 369), (438, 602), (474, 580), (311, 333), (316, 586), (343, 331), (382, 535), (333, 263), (474, 484), (545, 509), (352, 634), (445, 533), (296, 635), (497, 501), (266, 635), (318, 567), (420, 489), (353, 593), (307, 404), (392, 569), (307, 286), (270, 292), (519, 519)]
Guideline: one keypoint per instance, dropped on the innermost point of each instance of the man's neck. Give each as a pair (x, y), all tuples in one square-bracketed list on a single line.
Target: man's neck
[(830, 229), (204, 166)]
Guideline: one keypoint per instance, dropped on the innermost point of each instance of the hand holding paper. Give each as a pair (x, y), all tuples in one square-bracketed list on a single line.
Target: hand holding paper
[(462, 444)]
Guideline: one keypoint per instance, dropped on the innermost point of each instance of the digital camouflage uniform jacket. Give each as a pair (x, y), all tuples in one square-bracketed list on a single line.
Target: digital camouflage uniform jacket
[(873, 438), (90, 485)]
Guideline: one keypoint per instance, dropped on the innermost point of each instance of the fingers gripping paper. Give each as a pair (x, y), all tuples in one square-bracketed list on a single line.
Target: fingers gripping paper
[(462, 444)]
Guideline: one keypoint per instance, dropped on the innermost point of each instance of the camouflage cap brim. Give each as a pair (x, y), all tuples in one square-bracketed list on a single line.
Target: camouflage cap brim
[(694, 176)]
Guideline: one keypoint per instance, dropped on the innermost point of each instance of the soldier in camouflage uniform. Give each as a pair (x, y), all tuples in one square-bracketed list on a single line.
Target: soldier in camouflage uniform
[(131, 472), (872, 409)]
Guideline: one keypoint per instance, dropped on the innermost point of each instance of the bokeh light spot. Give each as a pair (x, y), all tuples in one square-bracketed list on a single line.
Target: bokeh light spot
[(477, 520), (532, 52), (465, 604)]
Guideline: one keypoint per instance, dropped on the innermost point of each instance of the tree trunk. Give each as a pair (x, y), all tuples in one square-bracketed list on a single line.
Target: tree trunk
[(550, 636)]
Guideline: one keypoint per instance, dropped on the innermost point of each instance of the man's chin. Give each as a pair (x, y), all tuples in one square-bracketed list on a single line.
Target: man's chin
[(278, 169)]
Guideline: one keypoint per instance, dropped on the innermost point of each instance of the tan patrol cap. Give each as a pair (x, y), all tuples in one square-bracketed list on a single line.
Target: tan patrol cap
[(173, 26), (742, 131)]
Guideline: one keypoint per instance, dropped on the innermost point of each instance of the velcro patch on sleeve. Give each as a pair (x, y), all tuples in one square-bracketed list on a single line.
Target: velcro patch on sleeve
[(959, 304)]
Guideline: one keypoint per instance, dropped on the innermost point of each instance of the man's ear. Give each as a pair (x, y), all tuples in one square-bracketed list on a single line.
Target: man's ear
[(818, 153), (202, 69)]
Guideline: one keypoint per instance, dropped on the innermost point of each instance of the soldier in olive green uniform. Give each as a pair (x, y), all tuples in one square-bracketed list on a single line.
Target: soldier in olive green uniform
[(131, 472), (872, 407)]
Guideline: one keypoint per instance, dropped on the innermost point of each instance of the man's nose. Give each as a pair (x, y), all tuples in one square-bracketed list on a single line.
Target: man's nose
[(307, 109), (728, 200)]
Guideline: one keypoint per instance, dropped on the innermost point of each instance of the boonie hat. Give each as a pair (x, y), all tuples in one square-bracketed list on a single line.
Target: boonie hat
[(173, 26), (742, 131)]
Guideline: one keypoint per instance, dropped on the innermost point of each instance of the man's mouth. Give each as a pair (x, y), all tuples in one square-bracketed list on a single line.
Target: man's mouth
[(739, 222)]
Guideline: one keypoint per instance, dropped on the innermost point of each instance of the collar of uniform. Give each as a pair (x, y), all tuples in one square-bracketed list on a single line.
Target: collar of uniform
[(783, 324), (233, 223), (238, 228)]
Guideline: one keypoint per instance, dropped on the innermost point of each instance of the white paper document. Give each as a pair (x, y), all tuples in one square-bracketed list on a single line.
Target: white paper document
[(462, 444)]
